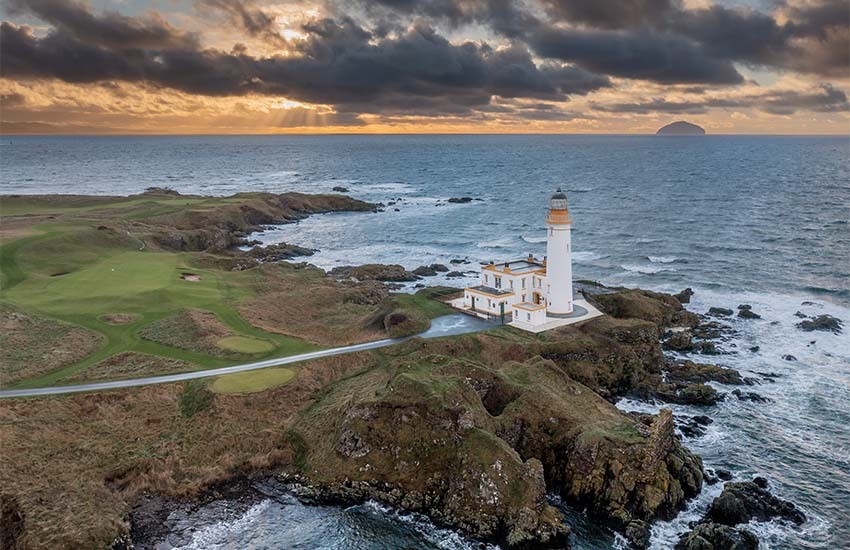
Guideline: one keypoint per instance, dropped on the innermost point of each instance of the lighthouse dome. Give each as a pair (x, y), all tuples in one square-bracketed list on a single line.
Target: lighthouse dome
[(558, 200)]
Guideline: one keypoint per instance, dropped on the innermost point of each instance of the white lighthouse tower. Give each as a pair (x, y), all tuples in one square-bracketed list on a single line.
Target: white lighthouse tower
[(559, 265)]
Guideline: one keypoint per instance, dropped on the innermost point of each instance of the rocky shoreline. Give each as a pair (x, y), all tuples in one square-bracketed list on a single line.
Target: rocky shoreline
[(478, 430)]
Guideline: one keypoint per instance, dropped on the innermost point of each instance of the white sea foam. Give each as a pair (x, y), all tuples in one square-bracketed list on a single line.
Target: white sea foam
[(533, 240), (645, 269), (587, 256), (218, 535), (663, 259)]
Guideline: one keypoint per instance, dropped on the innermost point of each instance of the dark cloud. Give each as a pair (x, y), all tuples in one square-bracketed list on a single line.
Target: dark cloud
[(647, 56), (610, 14), (247, 15), (110, 29), (338, 63), (823, 98)]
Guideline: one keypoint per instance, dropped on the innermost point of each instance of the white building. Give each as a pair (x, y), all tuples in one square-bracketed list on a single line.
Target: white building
[(531, 293)]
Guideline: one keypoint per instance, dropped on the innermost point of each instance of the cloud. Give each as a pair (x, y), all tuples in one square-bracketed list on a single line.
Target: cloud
[(247, 15), (337, 63), (638, 55), (110, 29), (824, 98)]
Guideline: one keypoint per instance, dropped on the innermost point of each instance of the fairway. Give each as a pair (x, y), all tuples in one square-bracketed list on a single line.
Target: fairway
[(252, 381), (85, 277)]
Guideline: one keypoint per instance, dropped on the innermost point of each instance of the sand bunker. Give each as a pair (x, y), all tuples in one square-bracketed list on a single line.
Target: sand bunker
[(190, 277), (118, 318)]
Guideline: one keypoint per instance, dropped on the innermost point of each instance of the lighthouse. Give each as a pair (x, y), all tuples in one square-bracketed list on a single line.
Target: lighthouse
[(559, 266)]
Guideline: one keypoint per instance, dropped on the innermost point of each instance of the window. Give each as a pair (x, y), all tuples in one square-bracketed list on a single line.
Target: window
[(486, 279), (512, 284), (498, 282), (523, 297), (523, 282), (551, 231), (528, 316)]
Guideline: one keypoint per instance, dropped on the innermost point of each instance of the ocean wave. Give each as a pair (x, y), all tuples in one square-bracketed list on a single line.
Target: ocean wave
[(587, 256), (665, 259), (533, 240), (495, 244), (645, 269)]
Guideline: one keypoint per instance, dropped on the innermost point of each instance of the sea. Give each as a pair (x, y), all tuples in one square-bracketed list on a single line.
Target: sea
[(752, 220)]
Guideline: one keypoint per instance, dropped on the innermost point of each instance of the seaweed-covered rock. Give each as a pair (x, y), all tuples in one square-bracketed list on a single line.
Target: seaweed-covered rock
[(712, 536), (684, 297), (680, 341), (662, 309), (741, 502), (748, 314), (825, 323), (374, 272), (690, 372), (719, 312)]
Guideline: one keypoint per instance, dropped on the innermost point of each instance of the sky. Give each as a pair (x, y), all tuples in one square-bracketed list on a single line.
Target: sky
[(423, 66)]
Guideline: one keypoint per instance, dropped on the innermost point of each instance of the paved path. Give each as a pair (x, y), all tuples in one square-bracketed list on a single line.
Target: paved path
[(447, 325)]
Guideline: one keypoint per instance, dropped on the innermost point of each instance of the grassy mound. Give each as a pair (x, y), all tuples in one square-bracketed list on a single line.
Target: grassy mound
[(130, 364), (245, 345), (252, 381), (31, 345)]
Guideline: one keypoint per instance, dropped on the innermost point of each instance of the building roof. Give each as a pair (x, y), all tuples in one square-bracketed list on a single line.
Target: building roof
[(530, 306), (490, 290), (518, 267)]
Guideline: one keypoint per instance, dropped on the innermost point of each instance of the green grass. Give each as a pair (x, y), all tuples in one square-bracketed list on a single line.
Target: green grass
[(195, 398), (252, 381), (107, 275), (245, 344)]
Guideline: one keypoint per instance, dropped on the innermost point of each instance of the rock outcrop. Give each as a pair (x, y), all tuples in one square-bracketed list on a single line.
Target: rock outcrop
[(374, 272), (477, 445), (680, 128)]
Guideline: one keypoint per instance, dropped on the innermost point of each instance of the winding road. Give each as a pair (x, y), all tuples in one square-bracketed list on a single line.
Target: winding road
[(447, 325)]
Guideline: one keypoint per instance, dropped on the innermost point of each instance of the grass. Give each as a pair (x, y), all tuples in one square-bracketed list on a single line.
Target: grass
[(195, 398), (252, 381), (105, 274), (245, 344)]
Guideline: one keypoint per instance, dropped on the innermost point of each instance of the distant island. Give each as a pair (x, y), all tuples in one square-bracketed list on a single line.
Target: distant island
[(680, 128)]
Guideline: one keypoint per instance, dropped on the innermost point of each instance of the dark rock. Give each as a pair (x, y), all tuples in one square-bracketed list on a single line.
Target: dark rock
[(748, 314), (725, 475), (453, 274), (637, 533), (460, 200), (679, 341), (684, 297), (690, 372), (340, 189), (801, 315), (826, 323), (750, 396), (424, 271), (439, 268), (706, 348), (744, 306), (374, 272), (712, 536), (279, 252), (768, 375), (693, 426), (719, 312), (754, 349), (692, 394), (458, 261), (396, 210), (789, 357), (741, 502)]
